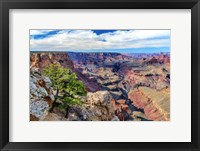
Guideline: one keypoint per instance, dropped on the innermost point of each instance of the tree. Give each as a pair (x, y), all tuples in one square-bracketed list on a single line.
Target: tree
[(66, 85)]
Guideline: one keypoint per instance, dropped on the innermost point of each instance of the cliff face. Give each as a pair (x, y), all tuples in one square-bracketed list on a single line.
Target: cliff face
[(96, 106), (43, 59), (154, 103), (96, 58), (94, 55), (149, 88), (41, 92), (41, 95), (130, 88), (125, 77), (155, 77)]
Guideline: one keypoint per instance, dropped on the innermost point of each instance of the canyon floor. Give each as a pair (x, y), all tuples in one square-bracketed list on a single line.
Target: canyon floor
[(120, 87)]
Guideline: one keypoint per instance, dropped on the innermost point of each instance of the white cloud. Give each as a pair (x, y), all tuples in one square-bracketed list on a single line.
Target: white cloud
[(89, 40), (134, 35), (39, 32)]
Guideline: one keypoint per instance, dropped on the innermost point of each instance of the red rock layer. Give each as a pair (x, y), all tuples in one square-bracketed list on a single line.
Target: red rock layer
[(44, 59), (151, 108), (41, 60)]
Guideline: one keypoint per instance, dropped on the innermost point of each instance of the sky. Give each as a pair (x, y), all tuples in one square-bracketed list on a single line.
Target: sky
[(126, 41)]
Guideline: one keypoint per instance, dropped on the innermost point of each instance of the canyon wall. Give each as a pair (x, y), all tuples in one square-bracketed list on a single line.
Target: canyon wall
[(119, 87)]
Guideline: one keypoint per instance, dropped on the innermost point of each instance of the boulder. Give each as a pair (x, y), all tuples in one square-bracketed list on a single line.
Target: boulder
[(97, 107)]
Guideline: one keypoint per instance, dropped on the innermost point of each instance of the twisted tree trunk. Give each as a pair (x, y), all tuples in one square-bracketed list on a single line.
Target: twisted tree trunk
[(54, 103)]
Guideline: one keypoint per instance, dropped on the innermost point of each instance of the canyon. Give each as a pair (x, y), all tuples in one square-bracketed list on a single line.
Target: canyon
[(120, 86)]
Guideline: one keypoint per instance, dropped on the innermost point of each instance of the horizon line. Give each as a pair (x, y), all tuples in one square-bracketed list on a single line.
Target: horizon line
[(98, 52)]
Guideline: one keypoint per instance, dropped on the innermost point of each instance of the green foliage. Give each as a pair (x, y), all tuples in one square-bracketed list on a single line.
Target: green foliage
[(66, 84), (69, 101)]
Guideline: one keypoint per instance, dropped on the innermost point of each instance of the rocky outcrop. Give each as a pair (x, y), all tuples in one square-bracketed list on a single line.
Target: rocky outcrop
[(97, 107), (41, 95), (156, 104), (43, 59)]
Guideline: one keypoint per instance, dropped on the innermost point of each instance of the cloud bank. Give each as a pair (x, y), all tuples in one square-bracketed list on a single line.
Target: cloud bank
[(83, 40)]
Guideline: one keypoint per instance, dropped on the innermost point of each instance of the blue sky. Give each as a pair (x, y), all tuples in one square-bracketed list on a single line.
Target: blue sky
[(127, 41)]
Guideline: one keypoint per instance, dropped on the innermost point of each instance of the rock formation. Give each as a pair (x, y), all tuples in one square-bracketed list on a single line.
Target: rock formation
[(41, 95), (155, 103), (44, 59), (41, 60), (119, 87), (97, 107), (119, 74)]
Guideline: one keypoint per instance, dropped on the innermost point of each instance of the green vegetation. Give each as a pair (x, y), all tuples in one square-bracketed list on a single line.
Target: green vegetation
[(66, 85)]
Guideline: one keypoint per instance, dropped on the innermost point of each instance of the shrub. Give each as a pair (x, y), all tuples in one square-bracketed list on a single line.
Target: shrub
[(66, 85)]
